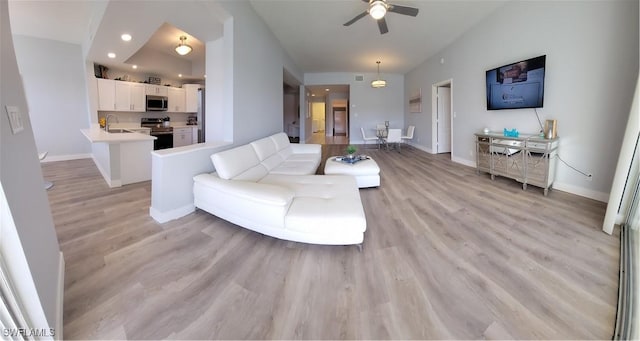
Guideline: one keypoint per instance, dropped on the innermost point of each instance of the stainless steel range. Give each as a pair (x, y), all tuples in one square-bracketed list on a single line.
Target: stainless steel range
[(160, 130)]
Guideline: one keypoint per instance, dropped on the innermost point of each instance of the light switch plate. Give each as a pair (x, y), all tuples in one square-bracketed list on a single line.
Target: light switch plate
[(15, 119)]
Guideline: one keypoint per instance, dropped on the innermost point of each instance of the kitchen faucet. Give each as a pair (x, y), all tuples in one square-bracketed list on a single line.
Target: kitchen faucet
[(106, 121)]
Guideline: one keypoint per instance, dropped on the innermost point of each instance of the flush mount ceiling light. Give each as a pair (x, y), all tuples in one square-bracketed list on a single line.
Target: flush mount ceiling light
[(378, 9), (183, 48), (125, 37), (378, 83)]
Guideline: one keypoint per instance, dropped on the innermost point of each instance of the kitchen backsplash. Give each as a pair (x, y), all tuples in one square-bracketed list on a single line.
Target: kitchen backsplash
[(134, 117)]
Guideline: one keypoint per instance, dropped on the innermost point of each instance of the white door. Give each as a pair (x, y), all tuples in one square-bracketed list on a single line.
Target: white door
[(444, 120)]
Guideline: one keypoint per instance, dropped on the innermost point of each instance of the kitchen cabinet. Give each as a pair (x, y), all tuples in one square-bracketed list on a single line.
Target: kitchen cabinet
[(129, 96), (106, 94), (182, 136), (156, 90), (191, 97), (176, 100)]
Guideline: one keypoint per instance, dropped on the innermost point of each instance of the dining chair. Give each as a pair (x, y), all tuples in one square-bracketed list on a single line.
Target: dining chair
[(394, 136), (409, 136), (368, 138)]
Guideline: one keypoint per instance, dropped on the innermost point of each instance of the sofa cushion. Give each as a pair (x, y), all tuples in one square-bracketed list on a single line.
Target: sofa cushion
[(326, 204), (281, 140), (264, 148), (233, 162), (272, 162), (295, 168)]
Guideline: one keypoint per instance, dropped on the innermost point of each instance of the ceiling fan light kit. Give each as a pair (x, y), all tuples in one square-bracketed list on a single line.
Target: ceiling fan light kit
[(378, 9), (183, 48), (378, 83)]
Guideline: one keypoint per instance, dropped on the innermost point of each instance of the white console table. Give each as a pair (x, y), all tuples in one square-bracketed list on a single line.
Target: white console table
[(529, 159)]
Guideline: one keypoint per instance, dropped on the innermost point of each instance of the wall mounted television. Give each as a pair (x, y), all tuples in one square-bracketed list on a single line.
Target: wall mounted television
[(516, 85)]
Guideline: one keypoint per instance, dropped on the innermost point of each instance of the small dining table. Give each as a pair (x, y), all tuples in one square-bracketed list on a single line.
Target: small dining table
[(382, 136)]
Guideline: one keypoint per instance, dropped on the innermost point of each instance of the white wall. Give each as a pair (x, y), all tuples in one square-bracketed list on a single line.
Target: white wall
[(368, 106), (592, 64), (28, 205), (258, 63), (56, 93), (252, 106)]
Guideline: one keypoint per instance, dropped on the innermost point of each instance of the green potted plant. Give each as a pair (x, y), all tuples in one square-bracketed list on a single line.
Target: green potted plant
[(351, 151)]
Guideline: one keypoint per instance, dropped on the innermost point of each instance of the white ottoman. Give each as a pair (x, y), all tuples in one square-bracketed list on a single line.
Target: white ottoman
[(366, 172)]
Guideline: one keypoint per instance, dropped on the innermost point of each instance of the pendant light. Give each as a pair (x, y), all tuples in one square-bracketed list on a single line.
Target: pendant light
[(183, 48), (378, 83)]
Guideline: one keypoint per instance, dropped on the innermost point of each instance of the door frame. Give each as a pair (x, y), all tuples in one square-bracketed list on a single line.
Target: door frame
[(434, 115)]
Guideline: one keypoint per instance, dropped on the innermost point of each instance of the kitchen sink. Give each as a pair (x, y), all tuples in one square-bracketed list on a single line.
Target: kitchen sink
[(119, 131)]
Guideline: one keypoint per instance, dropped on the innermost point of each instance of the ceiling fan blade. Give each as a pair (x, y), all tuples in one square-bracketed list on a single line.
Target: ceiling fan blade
[(382, 25), (357, 17), (403, 10)]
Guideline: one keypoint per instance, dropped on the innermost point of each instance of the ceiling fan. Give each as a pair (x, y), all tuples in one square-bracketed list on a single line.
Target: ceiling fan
[(378, 8)]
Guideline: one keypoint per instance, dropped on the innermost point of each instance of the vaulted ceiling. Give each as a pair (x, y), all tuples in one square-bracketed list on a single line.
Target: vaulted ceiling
[(311, 31)]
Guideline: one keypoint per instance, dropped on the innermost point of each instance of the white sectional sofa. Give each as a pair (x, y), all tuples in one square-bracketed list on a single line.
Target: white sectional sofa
[(268, 186)]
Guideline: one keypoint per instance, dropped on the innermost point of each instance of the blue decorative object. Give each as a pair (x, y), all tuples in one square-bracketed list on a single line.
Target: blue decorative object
[(511, 133)]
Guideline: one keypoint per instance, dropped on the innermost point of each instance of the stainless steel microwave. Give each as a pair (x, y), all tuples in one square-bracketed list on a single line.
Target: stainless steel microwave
[(157, 103)]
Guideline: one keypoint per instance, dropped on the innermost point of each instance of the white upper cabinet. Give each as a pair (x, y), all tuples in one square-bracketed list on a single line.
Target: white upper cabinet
[(129, 96), (156, 90), (191, 97), (106, 94), (176, 102)]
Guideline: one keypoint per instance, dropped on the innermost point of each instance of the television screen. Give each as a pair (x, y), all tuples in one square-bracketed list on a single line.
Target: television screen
[(518, 85)]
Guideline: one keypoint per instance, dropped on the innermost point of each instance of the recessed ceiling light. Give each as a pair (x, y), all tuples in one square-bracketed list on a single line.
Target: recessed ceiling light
[(134, 66), (126, 37), (179, 75), (326, 89), (111, 55), (313, 95)]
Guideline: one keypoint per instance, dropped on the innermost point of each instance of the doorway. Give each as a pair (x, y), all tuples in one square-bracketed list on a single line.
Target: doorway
[(442, 117), (340, 121)]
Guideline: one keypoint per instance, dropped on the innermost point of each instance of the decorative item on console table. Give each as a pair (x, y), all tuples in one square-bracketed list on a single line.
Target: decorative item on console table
[(550, 129)]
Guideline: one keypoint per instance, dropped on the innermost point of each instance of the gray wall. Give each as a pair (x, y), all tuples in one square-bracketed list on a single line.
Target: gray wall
[(56, 93), (368, 106), (258, 63), (21, 178), (592, 66)]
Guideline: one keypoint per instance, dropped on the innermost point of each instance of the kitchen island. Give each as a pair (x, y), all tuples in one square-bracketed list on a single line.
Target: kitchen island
[(122, 158)]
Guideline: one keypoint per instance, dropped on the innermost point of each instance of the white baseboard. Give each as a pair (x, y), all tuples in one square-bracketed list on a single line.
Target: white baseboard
[(421, 147), (54, 158), (163, 217), (583, 192), (60, 298), (462, 161)]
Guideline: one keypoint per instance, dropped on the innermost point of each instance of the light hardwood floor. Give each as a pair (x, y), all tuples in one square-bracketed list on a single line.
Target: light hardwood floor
[(448, 254)]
